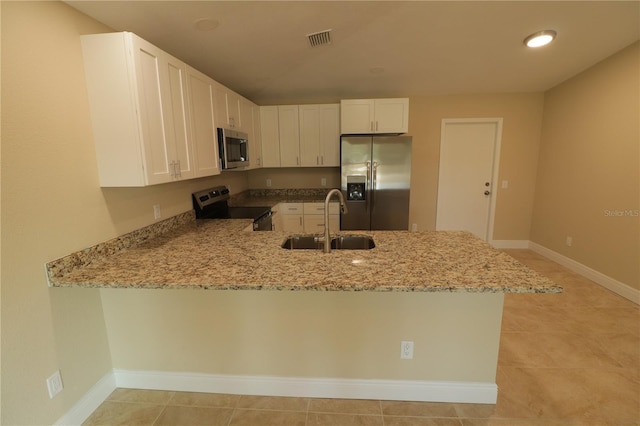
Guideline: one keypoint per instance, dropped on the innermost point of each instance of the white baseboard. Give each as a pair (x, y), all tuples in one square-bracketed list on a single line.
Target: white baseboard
[(314, 387), (510, 244), (607, 282), (89, 402)]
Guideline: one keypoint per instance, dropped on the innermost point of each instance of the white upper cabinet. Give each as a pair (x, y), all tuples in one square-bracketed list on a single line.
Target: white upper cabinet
[(221, 112), (270, 134), (137, 98), (309, 118), (228, 106), (330, 135), (255, 140), (319, 135), (245, 109), (200, 89), (372, 116), (288, 126)]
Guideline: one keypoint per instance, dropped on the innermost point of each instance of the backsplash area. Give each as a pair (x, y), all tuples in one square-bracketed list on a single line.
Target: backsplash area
[(295, 177)]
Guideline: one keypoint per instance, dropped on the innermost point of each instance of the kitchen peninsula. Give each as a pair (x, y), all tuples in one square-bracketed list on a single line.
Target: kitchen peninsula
[(336, 335)]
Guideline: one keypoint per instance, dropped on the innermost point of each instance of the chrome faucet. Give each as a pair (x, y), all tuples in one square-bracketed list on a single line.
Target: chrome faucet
[(343, 209)]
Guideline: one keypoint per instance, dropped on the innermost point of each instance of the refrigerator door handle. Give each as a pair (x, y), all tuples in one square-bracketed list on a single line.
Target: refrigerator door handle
[(368, 190), (374, 183)]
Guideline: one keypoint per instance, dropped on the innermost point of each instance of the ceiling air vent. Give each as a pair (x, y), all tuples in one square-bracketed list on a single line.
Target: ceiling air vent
[(320, 38)]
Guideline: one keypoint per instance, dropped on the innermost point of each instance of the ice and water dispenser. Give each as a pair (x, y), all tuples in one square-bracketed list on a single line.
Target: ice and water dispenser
[(356, 188)]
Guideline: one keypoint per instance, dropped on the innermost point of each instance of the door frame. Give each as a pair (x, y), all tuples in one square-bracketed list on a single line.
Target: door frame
[(496, 163)]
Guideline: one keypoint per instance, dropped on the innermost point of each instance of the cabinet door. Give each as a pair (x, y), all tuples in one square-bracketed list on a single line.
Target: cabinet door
[(330, 135), (392, 115), (156, 145), (203, 129), (175, 121), (233, 109), (288, 126), (270, 134), (292, 223), (227, 107), (245, 116), (356, 116), (314, 224), (309, 117), (255, 142), (220, 106)]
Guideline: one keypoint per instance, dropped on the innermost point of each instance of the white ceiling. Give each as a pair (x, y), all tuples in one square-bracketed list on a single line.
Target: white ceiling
[(260, 48)]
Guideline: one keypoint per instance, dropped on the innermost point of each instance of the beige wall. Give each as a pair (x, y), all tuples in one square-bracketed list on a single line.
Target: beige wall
[(589, 164), (522, 114), (295, 177), (47, 152), (353, 335)]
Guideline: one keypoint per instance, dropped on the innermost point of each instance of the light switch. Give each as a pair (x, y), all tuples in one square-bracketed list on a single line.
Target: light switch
[(505, 184)]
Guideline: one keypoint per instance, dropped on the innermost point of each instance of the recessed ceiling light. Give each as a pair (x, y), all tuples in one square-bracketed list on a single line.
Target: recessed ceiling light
[(206, 24), (541, 38)]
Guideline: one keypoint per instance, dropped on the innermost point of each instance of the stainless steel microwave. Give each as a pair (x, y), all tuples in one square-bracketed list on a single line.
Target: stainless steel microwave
[(233, 147)]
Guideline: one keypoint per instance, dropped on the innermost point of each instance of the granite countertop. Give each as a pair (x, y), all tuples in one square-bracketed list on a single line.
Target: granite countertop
[(218, 254)]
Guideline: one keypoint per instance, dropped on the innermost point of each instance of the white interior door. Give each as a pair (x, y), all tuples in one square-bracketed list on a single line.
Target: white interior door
[(469, 152)]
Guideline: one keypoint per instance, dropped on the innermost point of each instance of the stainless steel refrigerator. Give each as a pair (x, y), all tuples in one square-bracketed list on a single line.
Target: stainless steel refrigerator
[(375, 182)]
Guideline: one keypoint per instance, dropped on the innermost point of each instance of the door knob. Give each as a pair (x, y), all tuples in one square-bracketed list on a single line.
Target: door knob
[(486, 193)]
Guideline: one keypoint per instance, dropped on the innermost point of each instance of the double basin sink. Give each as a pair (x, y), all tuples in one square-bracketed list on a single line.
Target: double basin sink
[(342, 242)]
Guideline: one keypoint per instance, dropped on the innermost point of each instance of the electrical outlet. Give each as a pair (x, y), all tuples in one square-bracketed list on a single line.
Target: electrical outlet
[(406, 349), (156, 211), (268, 183), (323, 182), (54, 384), (569, 241), (414, 227)]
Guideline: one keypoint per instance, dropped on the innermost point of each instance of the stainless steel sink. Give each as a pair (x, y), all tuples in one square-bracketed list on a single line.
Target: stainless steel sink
[(353, 242), (302, 242), (343, 242)]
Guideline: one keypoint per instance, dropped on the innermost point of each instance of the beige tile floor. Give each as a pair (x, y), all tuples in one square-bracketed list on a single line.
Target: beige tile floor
[(567, 359)]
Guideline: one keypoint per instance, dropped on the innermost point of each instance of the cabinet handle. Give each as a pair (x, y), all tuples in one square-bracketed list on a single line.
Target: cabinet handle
[(322, 160), (376, 125), (317, 160), (371, 126), (300, 220), (178, 170), (297, 161)]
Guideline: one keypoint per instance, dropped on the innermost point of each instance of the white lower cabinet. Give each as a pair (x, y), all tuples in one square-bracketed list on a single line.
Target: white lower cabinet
[(291, 216), (306, 218), (314, 217)]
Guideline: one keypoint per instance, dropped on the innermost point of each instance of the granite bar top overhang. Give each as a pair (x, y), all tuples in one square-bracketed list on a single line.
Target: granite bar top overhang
[(219, 255)]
